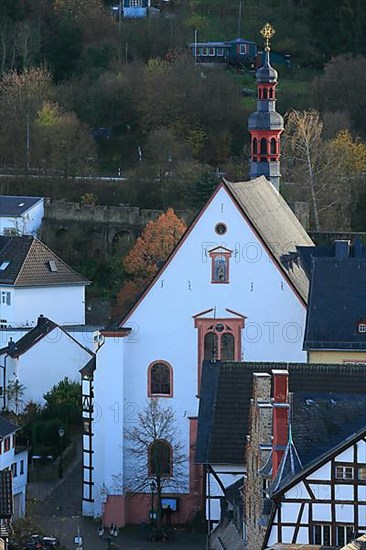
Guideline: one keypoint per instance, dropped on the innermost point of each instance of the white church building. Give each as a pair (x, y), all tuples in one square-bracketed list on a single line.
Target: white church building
[(232, 290)]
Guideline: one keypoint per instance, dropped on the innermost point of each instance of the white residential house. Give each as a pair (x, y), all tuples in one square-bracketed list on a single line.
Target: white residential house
[(41, 358), (15, 459), (231, 289), (21, 215), (34, 280)]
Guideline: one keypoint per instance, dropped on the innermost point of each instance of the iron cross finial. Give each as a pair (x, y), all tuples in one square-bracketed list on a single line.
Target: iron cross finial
[(267, 31)]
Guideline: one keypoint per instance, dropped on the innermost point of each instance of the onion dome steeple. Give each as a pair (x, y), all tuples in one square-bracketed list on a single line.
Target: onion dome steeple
[(265, 124)]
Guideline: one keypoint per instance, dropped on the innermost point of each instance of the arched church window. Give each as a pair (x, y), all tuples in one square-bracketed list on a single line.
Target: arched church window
[(210, 346), (273, 146), (255, 146), (160, 379), (227, 347), (160, 458), (263, 146)]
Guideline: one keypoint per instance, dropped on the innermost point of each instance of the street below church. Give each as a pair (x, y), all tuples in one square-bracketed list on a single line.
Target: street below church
[(56, 509)]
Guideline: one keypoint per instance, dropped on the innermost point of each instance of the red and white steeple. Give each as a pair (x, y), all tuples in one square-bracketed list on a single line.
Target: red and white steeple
[(265, 124)]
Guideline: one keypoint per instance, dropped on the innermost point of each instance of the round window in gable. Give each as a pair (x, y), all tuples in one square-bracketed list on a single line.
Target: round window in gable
[(220, 228)]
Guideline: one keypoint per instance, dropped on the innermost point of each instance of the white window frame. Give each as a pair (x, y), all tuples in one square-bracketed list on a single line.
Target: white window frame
[(243, 49), (341, 472), (5, 298), (220, 52), (322, 527), (345, 539), (362, 328), (204, 51), (135, 4), (211, 52)]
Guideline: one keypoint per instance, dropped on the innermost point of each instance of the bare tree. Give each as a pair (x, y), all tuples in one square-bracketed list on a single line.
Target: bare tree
[(157, 453), (316, 165)]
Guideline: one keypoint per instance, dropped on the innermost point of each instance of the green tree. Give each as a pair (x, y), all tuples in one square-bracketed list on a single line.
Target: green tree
[(63, 402), (61, 142)]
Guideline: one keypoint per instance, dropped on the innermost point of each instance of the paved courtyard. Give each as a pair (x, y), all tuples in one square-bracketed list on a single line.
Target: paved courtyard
[(57, 511)]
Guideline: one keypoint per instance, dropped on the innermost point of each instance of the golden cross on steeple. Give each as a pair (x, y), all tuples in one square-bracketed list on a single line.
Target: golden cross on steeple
[(267, 31)]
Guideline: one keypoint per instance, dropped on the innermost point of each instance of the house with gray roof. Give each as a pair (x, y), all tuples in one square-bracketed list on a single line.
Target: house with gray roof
[(21, 215), (336, 318), (42, 357)]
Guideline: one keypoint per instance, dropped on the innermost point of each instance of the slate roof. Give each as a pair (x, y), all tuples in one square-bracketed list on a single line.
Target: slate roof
[(6, 494), (321, 423), (43, 327), (226, 391), (7, 427), (29, 264), (15, 206), (16, 349), (337, 302), (276, 224)]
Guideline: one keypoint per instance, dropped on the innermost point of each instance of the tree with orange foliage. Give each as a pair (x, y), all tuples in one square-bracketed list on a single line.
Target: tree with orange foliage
[(158, 239), (150, 251)]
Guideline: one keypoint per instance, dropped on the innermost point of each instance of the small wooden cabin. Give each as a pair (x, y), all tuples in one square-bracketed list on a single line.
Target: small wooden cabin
[(234, 52)]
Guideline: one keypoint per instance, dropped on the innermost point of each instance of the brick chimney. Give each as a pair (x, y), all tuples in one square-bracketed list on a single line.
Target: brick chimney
[(280, 417)]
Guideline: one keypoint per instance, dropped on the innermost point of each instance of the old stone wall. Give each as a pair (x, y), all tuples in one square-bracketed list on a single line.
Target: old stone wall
[(257, 454), (75, 230)]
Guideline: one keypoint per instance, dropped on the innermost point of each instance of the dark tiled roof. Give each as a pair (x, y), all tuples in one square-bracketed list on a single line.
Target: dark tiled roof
[(89, 368), (337, 302), (43, 327), (323, 420), (6, 494), (225, 401), (29, 264), (7, 427), (32, 337), (16, 206), (276, 224)]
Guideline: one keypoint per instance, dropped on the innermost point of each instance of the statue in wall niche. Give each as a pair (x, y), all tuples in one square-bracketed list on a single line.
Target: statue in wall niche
[(220, 266)]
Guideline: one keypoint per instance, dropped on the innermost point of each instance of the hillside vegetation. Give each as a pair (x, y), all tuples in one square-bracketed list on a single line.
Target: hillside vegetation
[(83, 93)]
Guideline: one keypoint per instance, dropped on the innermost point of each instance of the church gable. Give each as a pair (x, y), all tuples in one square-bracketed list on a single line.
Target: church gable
[(222, 245)]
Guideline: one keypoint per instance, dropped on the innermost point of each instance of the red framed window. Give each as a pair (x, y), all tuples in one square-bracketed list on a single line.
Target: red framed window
[(160, 458), (218, 339), (220, 264), (160, 379)]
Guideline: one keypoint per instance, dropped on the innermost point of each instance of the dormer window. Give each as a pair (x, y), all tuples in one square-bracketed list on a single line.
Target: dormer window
[(52, 265), (220, 257)]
